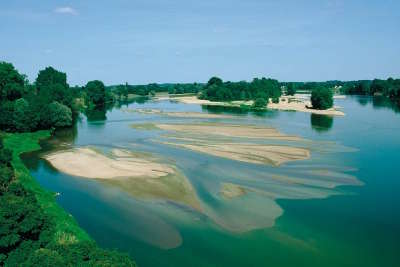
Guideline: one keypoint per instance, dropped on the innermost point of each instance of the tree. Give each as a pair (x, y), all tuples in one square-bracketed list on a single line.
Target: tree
[(11, 82), (96, 93), (50, 76), (52, 86), (291, 89), (214, 80), (322, 98), (23, 118), (56, 115), (259, 103)]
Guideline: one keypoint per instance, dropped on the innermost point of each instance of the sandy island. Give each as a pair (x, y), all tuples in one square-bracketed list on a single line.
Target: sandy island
[(302, 105), (230, 130), (296, 103), (137, 173)]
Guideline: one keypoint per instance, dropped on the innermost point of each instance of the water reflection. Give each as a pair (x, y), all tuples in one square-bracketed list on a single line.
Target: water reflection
[(97, 114), (379, 102), (321, 123)]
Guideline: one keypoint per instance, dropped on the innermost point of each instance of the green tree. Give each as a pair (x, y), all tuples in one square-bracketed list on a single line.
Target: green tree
[(23, 118), (322, 98), (96, 93), (259, 103), (291, 89), (215, 80), (11, 82), (56, 115)]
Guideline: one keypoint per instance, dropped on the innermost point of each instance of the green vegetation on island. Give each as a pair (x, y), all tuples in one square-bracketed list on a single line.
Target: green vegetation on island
[(321, 98), (217, 90)]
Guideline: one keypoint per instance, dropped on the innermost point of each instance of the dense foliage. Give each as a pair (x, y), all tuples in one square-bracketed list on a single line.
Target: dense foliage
[(27, 232), (28, 107), (217, 90), (291, 89), (95, 94), (321, 98)]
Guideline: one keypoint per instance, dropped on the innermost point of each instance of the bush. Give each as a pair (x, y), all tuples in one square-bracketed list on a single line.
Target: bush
[(260, 103), (322, 98), (291, 89)]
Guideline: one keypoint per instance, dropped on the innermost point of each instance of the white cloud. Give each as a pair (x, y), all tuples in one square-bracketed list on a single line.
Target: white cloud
[(66, 10)]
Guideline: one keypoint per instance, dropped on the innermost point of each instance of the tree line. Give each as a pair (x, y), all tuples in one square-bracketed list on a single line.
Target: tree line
[(217, 90), (47, 103)]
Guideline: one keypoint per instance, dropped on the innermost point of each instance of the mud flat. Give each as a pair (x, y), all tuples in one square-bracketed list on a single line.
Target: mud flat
[(137, 173)]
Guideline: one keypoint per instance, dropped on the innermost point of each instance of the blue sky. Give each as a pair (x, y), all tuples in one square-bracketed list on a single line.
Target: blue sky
[(142, 41)]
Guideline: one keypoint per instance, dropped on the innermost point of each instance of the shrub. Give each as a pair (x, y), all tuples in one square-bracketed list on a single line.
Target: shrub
[(260, 103), (322, 98)]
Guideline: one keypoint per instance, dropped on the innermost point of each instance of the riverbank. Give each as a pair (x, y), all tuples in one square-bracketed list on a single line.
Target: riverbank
[(58, 239), (68, 230)]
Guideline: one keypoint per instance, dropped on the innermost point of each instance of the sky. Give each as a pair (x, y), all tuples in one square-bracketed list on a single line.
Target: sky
[(144, 41)]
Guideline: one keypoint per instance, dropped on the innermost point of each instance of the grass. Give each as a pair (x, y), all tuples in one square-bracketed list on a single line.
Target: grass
[(67, 229)]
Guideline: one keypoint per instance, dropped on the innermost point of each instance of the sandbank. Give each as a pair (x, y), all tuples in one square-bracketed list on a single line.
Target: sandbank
[(251, 153), (229, 130), (137, 173)]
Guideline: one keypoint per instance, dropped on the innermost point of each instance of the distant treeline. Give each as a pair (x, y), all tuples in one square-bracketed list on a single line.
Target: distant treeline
[(389, 88), (123, 91), (217, 90)]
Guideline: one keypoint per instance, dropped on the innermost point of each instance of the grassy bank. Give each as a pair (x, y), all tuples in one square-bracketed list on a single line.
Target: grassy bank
[(67, 230), (66, 244)]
